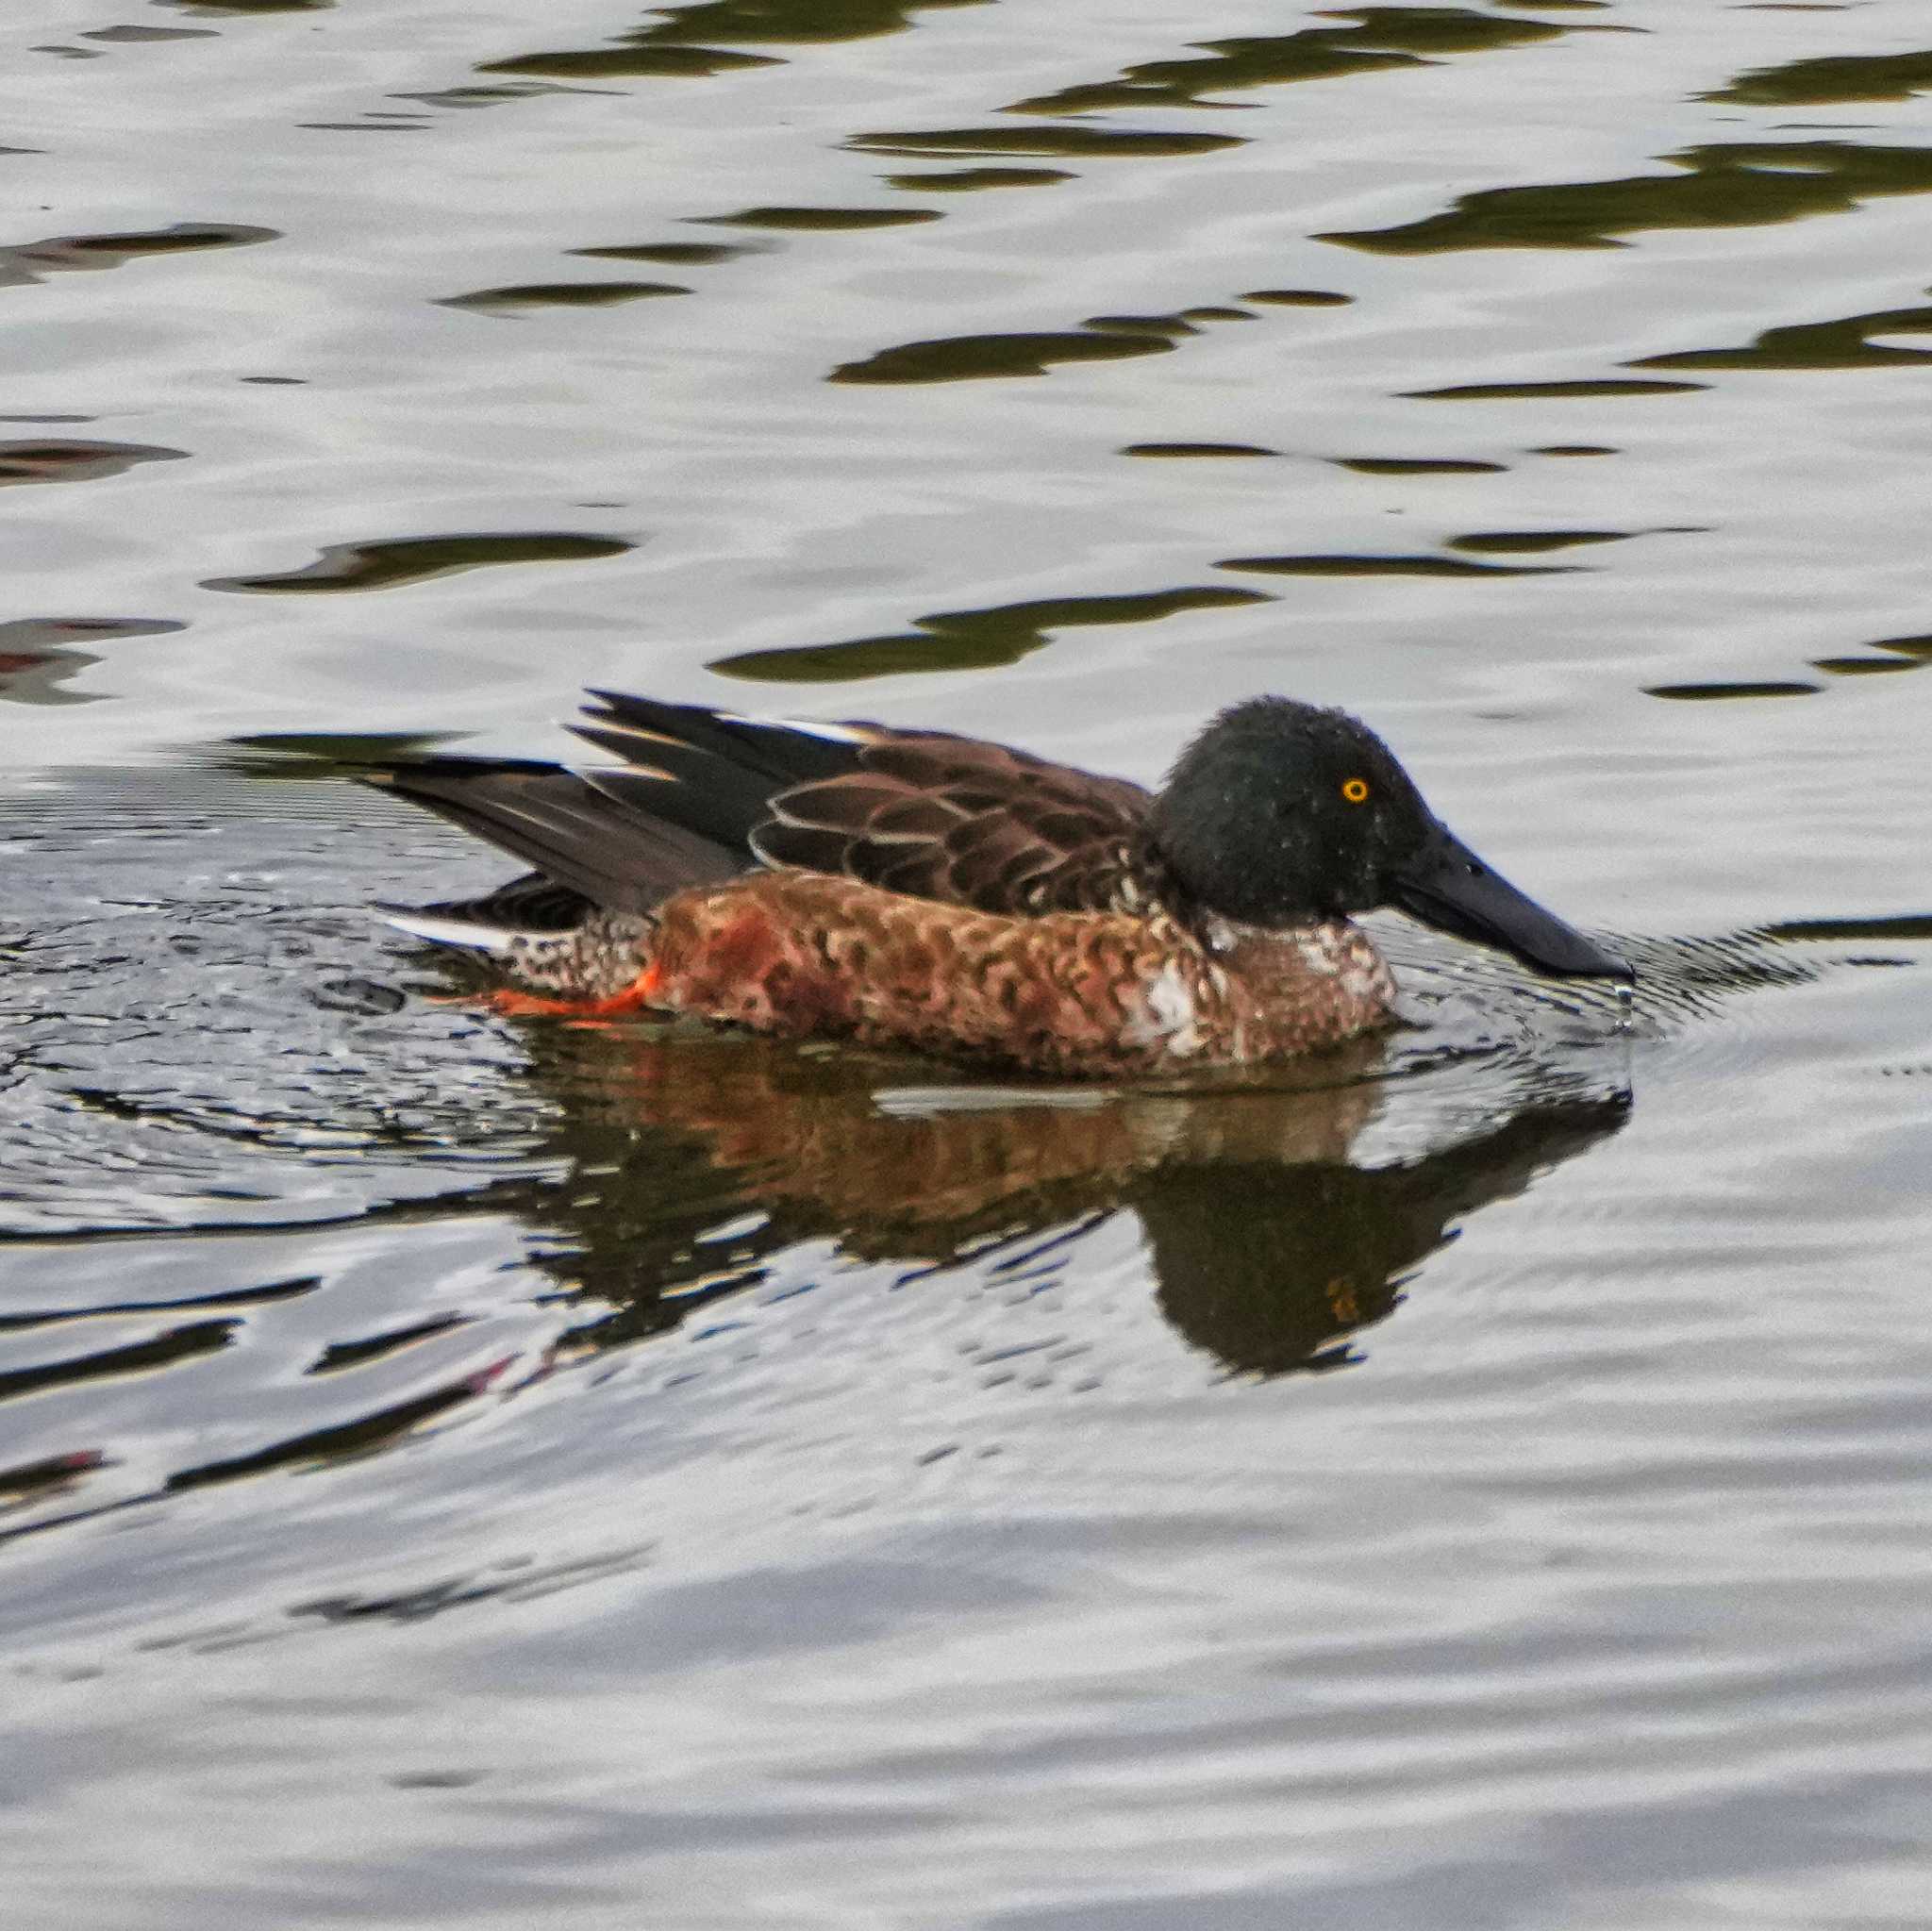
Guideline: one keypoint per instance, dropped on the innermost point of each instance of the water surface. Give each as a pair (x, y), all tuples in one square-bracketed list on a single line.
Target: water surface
[(463, 1472)]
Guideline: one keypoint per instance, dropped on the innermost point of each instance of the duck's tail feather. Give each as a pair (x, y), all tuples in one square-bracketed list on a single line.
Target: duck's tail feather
[(609, 849), (532, 907)]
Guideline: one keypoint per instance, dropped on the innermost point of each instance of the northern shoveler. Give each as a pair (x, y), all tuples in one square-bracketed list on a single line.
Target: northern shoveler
[(922, 890)]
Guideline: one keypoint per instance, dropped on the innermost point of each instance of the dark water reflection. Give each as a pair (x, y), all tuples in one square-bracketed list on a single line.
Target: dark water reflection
[(29, 262), (1725, 185), (1831, 78), (36, 664), (1075, 142), (1845, 344), (690, 41), (802, 1145), (64, 459), (974, 640), (412, 559), (1375, 38)]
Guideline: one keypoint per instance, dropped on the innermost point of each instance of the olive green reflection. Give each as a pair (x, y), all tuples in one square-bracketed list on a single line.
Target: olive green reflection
[(1170, 325), (1299, 298), (1729, 184), (1842, 344), (974, 640), (1417, 466), (1380, 38), (1067, 140), (1535, 392), (1525, 543), (1914, 926), (1333, 565), (1862, 667), (630, 61), (522, 296), (804, 23), (969, 357), (146, 36), (671, 254), (972, 358), (414, 560), (1192, 450), (1831, 78), (822, 220), (1741, 688), (970, 180), (666, 1139), (1901, 654), (690, 41)]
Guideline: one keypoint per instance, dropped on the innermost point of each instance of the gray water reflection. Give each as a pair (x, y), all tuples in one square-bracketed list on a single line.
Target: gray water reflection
[(479, 1476)]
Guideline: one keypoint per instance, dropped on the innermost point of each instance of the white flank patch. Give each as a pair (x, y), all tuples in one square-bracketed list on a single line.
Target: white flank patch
[(1320, 955), (452, 931), (1171, 1015)]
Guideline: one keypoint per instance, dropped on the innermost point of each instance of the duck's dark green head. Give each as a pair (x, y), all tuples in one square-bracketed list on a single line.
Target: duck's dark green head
[(1281, 814)]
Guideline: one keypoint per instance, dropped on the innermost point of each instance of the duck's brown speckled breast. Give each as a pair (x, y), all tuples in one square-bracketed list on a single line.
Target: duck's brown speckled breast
[(803, 954)]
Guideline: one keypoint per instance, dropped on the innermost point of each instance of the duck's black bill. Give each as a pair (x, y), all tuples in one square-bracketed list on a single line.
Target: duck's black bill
[(1447, 886)]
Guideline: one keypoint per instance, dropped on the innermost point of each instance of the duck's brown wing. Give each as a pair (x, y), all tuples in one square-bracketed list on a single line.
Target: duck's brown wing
[(921, 813)]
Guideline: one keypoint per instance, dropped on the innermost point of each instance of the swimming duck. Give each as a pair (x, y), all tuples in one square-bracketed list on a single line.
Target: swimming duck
[(963, 898)]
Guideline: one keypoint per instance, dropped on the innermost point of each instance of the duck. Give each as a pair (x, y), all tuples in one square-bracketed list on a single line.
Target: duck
[(965, 899)]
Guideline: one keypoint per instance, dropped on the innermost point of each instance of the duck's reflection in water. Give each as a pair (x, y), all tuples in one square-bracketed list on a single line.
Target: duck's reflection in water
[(695, 1160)]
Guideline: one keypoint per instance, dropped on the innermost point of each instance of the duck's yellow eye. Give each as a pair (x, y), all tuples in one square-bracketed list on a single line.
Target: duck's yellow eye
[(1355, 790)]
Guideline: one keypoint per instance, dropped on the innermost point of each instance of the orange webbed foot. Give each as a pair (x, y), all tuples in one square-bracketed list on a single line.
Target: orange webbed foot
[(634, 997)]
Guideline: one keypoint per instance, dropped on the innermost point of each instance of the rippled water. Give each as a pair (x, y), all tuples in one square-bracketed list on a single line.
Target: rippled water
[(462, 1473)]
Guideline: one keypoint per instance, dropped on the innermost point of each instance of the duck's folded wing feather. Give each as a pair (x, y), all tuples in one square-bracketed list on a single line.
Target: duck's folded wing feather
[(922, 812)]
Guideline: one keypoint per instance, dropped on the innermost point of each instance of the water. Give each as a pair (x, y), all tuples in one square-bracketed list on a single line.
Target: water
[(462, 1473)]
